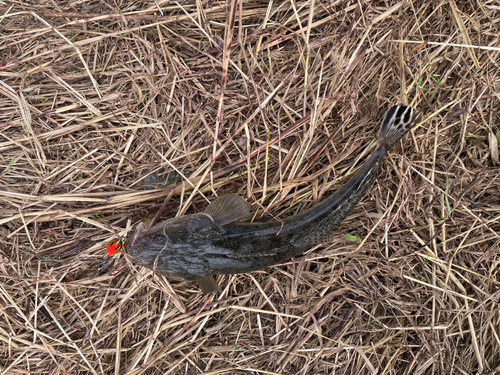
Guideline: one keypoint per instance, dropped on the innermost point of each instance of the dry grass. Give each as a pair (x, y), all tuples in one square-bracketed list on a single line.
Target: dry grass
[(102, 102)]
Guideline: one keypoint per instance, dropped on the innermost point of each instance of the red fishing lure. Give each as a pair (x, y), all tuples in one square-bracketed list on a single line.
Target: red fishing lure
[(113, 247)]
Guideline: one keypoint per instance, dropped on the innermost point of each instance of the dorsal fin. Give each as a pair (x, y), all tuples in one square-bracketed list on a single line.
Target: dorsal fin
[(229, 208)]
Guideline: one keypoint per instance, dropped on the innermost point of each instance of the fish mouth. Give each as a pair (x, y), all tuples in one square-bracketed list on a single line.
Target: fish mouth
[(138, 231)]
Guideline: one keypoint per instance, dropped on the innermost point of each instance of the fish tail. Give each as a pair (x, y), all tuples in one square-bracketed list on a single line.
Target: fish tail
[(398, 120)]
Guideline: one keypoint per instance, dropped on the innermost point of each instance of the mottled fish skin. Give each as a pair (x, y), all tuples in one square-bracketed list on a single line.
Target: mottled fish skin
[(195, 247)]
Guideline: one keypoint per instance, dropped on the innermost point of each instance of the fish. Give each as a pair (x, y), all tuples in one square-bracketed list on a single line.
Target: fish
[(222, 240)]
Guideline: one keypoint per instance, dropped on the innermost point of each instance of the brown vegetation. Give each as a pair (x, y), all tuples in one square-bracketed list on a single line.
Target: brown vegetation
[(109, 107)]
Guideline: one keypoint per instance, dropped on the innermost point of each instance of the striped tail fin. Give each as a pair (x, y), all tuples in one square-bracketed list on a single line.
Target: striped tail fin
[(398, 120)]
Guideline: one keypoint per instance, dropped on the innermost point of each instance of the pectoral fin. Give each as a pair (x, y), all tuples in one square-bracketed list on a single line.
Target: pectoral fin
[(208, 285), (229, 208)]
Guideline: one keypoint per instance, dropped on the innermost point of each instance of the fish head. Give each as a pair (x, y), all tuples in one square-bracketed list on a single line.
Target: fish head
[(169, 242)]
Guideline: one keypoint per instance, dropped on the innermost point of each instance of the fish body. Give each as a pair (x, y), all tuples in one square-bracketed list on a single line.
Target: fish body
[(196, 247)]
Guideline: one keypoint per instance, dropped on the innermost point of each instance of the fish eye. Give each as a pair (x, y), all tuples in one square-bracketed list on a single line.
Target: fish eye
[(159, 239)]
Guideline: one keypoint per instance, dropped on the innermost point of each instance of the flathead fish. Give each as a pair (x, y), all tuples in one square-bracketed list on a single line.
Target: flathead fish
[(217, 241)]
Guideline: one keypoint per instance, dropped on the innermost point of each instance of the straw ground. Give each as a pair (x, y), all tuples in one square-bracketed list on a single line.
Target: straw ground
[(109, 107)]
